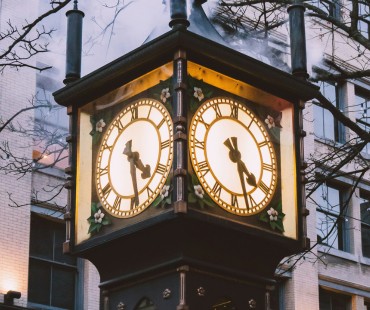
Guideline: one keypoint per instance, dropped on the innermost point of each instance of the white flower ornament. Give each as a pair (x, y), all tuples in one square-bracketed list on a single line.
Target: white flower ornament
[(198, 93), (165, 94), (198, 190), (273, 214), (270, 121), (100, 125), (99, 216), (165, 191)]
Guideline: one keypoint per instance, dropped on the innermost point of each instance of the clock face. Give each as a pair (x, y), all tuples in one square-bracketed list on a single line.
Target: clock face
[(134, 158), (232, 156)]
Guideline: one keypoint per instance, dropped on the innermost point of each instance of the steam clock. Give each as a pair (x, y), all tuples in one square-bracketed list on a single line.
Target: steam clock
[(186, 173)]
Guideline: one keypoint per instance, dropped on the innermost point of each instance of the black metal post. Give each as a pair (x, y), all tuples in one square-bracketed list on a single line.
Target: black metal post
[(298, 39), (74, 44), (179, 18), (179, 102)]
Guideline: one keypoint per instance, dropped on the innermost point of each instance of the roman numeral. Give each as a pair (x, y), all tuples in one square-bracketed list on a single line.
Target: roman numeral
[(262, 144), (117, 203), (267, 167), (133, 203), (103, 171), (161, 123), (106, 190), (251, 122), (217, 110), (203, 167), (149, 191), (199, 144), (216, 189), (234, 201), (202, 121), (134, 113), (234, 111), (252, 202), (263, 187), (119, 126), (150, 110), (165, 144), (108, 147), (161, 169)]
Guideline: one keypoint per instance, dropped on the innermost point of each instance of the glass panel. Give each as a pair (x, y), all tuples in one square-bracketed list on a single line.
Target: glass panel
[(333, 301), (39, 282), (324, 120), (224, 304), (362, 109), (41, 244), (63, 289), (365, 234), (333, 200), (365, 227), (100, 113), (319, 121), (326, 228)]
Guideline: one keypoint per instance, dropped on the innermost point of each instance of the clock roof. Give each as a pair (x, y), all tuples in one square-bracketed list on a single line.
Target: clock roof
[(198, 49)]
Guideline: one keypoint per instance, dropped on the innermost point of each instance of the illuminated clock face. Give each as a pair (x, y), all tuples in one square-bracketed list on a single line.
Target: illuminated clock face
[(134, 158), (232, 156)]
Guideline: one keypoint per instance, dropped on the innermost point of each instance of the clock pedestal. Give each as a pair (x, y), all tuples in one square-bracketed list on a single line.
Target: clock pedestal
[(198, 265)]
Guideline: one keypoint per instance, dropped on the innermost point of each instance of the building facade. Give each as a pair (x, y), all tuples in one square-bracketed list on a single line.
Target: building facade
[(335, 274)]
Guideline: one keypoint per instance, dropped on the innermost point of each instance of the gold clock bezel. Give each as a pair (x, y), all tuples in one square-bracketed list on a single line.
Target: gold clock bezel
[(137, 111), (227, 109)]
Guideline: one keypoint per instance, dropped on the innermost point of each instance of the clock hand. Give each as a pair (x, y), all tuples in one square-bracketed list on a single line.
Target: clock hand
[(139, 164), (131, 158), (240, 172), (235, 157)]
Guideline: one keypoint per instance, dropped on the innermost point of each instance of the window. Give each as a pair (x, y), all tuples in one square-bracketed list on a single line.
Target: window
[(367, 305), (365, 226), (325, 125), (364, 19), (330, 7), (330, 223), (333, 301), (51, 124), (52, 275), (362, 109)]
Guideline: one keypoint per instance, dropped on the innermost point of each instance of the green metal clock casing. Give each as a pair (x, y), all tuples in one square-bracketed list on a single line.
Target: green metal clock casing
[(134, 158), (233, 156)]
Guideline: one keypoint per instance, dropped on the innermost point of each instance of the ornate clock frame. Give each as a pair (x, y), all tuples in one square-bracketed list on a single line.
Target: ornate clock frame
[(185, 251)]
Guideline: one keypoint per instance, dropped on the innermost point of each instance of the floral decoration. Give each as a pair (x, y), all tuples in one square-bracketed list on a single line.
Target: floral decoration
[(98, 219), (273, 121), (198, 93), (198, 191), (270, 121), (165, 94), (197, 194), (162, 92), (100, 125), (274, 217), (273, 214), (164, 197)]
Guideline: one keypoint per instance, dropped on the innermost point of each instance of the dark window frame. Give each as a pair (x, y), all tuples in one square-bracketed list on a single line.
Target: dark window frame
[(365, 96), (52, 265), (340, 219), (330, 300), (321, 128)]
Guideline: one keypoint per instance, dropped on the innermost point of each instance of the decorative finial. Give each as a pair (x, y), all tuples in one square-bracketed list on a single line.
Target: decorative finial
[(75, 4)]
